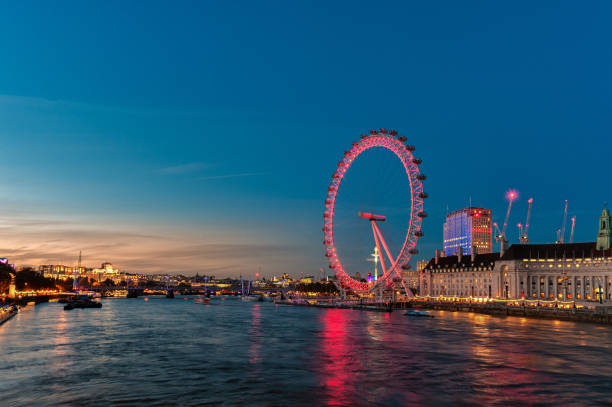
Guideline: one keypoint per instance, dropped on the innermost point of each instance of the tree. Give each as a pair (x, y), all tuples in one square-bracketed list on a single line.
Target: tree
[(318, 287), (30, 279), (108, 282), (5, 277)]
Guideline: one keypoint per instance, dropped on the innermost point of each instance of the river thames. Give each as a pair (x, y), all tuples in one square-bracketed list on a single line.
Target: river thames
[(178, 352)]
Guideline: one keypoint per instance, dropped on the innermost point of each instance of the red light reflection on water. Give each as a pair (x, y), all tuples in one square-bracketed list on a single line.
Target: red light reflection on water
[(336, 351)]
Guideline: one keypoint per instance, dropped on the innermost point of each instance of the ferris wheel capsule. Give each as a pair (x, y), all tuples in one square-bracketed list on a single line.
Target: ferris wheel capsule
[(363, 136), (417, 161), (394, 133), (410, 148), (406, 266), (373, 133), (421, 177), (423, 195), (382, 131), (422, 214), (419, 233)]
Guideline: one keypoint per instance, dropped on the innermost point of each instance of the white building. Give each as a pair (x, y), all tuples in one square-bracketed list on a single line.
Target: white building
[(573, 271)]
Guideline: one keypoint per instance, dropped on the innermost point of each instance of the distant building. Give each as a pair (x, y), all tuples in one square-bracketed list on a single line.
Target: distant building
[(60, 271), (468, 228), (307, 280), (107, 271)]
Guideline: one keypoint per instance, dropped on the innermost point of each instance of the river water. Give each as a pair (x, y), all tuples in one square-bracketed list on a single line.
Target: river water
[(177, 352)]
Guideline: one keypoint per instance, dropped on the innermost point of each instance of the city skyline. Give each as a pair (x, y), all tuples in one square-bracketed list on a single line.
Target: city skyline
[(156, 150)]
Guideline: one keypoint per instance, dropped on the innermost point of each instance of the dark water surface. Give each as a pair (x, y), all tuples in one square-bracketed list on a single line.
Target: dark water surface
[(177, 352)]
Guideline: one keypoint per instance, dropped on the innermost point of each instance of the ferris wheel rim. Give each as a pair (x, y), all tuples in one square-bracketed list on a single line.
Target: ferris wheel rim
[(389, 141)]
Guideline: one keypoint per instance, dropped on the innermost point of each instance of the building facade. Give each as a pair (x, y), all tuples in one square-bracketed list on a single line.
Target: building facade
[(468, 228), (571, 271)]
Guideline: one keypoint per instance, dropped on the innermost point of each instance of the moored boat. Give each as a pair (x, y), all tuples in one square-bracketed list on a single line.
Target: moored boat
[(252, 298), (82, 301), (418, 314)]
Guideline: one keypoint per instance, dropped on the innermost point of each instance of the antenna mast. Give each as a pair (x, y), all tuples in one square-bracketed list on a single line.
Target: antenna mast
[(562, 230), (75, 281)]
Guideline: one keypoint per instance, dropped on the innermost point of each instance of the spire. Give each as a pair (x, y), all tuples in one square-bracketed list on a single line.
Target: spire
[(605, 229)]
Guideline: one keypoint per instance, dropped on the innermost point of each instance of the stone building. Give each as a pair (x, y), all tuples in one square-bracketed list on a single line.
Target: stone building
[(571, 271)]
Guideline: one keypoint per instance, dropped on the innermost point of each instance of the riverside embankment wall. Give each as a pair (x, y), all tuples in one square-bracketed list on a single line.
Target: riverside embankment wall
[(599, 314)]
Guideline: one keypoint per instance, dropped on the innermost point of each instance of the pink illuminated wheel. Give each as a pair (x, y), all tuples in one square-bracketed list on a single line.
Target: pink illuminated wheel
[(388, 140)]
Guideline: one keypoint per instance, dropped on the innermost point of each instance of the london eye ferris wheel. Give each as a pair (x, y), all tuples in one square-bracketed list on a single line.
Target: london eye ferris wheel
[(390, 200)]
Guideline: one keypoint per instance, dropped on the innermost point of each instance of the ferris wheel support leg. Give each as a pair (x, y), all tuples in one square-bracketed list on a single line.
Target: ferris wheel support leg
[(384, 243), (376, 239)]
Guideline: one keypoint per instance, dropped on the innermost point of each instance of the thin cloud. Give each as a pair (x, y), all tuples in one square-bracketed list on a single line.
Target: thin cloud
[(244, 174), (182, 169)]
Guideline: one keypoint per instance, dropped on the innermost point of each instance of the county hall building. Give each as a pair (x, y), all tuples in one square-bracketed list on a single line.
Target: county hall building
[(570, 271)]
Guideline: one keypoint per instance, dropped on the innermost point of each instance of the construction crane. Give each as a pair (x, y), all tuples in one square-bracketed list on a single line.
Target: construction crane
[(561, 232), (573, 227), (524, 232), (501, 235)]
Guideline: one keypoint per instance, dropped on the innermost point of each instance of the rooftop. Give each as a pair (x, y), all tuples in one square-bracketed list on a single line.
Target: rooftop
[(523, 251)]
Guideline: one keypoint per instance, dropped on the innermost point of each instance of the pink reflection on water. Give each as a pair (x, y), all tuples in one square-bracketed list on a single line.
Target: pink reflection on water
[(506, 370), (337, 356), (255, 335)]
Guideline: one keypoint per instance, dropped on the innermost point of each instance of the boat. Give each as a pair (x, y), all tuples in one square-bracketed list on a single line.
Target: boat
[(248, 296), (82, 301), (202, 300), (252, 298), (418, 314)]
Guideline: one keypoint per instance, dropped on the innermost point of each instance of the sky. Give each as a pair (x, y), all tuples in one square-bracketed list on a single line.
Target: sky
[(184, 137)]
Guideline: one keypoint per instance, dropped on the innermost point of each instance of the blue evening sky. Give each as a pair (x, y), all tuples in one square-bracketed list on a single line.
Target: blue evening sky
[(200, 136)]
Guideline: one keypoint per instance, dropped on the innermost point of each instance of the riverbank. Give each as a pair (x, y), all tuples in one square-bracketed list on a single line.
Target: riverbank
[(7, 313), (592, 313)]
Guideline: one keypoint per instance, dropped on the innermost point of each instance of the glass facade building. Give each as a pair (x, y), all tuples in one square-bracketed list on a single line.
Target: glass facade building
[(467, 228)]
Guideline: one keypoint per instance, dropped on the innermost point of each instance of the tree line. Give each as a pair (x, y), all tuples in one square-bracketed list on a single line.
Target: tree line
[(319, 287)]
